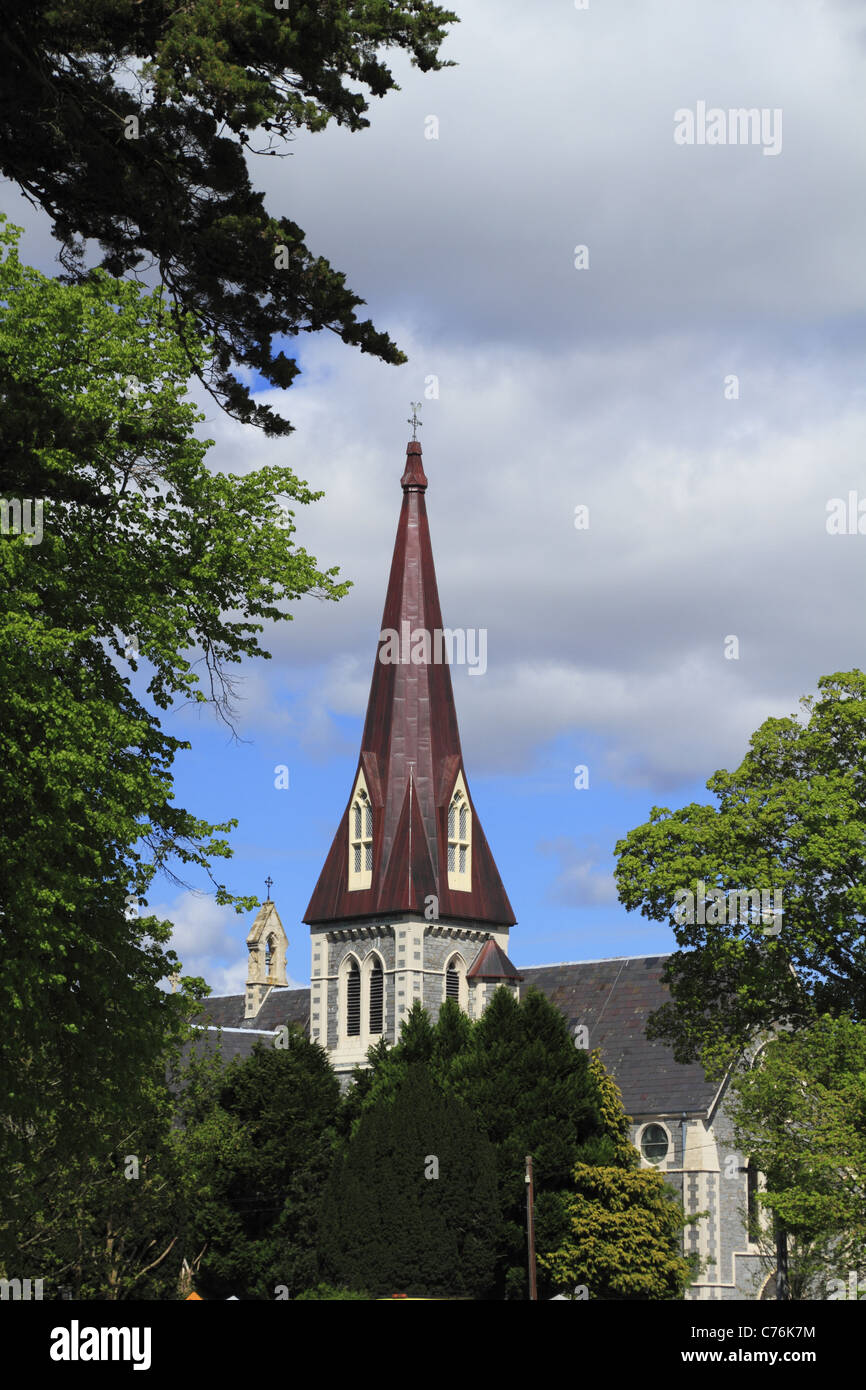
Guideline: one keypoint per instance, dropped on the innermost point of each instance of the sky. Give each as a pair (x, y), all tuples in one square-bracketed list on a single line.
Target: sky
[(693, 376)]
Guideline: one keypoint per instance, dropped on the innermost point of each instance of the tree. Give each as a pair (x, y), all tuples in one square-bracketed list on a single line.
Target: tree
[(131, 124), (147, 567), (624, 1222), (791, 824), (255, 1152), (106, 1221), (411, 1204), (532, 1091), (799, 1113)]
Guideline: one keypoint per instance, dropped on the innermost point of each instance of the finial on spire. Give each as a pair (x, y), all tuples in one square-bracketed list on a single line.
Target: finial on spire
[(414, 420), (269, 883)]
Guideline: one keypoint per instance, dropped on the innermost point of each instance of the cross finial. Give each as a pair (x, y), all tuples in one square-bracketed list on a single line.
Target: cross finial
[(269, 883), (413, 420)]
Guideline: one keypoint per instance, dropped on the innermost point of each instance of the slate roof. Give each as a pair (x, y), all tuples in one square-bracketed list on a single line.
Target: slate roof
[(410, 756), (282, 1005), (612, 998), (492, 963)]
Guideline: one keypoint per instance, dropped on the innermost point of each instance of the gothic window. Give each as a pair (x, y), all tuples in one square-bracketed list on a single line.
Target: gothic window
[(360, 837), (460, 839), (353, 1001), (654, 1144), (456, 987), (377, 996), (270, 954)]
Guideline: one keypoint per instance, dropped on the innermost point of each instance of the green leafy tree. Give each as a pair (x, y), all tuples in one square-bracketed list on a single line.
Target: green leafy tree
[(790, 820), (106, 1222), (799, 1112), (411, 1206), (132, 124), (624, 1222), (150, 571), (255, 1152)]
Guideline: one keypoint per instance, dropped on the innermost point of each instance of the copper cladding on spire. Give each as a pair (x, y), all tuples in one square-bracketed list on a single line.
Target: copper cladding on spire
[(410, 757)]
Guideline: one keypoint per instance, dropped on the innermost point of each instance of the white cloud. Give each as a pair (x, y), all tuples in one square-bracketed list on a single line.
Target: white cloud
[(209, 940)]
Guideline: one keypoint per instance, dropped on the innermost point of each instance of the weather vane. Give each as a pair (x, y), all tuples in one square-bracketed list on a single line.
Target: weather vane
[(269, 883), (414, 421)]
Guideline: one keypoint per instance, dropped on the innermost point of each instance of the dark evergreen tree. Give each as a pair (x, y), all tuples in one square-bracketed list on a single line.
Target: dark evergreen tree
[(131, 124), (532, 1091), (256, 1151), (411, 1205)]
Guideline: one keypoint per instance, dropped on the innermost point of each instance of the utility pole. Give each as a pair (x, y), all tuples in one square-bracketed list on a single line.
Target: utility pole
[(530, 1227)]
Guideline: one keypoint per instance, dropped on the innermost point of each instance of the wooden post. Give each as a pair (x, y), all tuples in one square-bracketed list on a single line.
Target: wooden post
[(530, 1227)]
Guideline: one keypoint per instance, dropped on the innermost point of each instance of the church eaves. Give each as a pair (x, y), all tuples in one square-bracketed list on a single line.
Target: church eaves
[(410, 756)]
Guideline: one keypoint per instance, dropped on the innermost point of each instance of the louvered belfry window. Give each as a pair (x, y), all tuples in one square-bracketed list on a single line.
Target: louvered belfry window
[(353, 1001), (376, 998), (452, 983)]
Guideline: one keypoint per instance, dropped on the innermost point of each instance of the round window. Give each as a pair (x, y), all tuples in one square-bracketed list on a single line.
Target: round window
[(654, 1144)]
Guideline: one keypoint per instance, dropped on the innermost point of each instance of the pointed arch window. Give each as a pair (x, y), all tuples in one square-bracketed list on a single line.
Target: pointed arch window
[(377, 997), (360, 837), (270, 955), (460, 839), (353, 1001), (456, 985)]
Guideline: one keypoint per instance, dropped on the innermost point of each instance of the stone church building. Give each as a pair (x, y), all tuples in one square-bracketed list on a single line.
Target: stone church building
[(410, 905)]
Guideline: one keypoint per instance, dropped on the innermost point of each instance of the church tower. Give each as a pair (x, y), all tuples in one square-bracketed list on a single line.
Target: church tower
[(409, 904)]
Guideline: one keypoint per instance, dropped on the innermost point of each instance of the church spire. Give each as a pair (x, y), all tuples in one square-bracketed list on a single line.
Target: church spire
[(410, 831)]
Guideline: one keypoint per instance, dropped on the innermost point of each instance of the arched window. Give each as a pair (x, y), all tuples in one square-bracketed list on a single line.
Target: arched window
[(270, 954), (452, 983), (460, 839), (377, 997), (353, 1001), (456, 986), (360, 837)]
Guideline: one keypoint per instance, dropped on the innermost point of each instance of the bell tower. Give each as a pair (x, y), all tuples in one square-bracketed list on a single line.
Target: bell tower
[(409, 904)]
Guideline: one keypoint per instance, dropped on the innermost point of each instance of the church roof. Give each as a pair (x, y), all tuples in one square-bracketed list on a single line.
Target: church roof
[(410, 755), (611, 998), (492, 963)]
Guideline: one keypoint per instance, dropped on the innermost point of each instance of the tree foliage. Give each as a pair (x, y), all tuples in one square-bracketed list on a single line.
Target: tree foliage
[(149, 571), (623, 1241), (623, 1222), (132, 122), (255, 1152), (791, 819), (531, 1091), (105, 1220), (799, 1113), (411, 1205)]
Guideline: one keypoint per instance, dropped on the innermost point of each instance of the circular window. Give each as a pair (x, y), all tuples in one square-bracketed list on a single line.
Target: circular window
[(654, 1144)]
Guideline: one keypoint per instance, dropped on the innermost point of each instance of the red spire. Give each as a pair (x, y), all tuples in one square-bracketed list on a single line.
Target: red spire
[(410, 755)]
